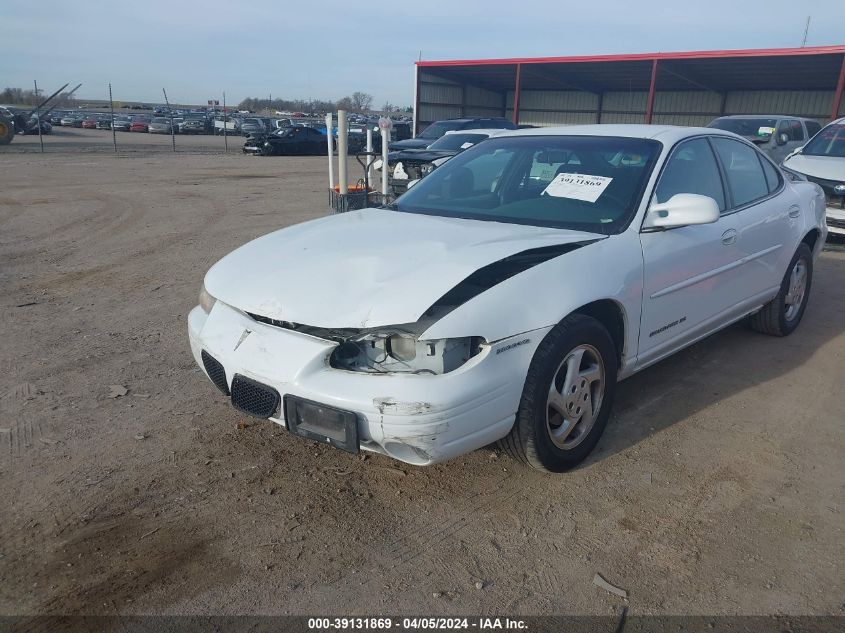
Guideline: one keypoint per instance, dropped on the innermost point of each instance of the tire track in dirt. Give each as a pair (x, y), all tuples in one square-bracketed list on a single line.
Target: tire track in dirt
[(423, 540)]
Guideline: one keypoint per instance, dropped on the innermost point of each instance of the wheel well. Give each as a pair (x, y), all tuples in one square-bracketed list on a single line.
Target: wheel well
[(811, 238), (610, 314)]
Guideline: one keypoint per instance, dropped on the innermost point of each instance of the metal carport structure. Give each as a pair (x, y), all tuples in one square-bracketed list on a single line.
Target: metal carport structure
[(689, 88)]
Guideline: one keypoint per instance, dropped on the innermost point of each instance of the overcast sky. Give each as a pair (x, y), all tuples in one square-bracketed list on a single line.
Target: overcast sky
[(325, 50)]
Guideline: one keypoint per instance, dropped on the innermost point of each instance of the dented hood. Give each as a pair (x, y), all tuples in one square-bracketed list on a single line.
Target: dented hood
[(369, 268)]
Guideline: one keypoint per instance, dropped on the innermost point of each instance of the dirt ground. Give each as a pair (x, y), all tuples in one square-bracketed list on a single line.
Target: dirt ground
[(717, 488)]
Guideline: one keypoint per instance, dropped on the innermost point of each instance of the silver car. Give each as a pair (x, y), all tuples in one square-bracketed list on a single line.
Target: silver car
[(776, 135), (160, 125)]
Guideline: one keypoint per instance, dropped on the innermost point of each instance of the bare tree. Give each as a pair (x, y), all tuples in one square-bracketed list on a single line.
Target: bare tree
[(346, 104), (361, 101)]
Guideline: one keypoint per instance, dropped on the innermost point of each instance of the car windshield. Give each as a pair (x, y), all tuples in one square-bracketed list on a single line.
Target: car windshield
[(457, 141), (759, 128), (829, 142), (438, 129), (160, 119), (586, 183), (252, 121)]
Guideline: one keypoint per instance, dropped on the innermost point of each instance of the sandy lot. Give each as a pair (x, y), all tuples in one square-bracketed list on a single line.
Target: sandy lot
[(717, 488)]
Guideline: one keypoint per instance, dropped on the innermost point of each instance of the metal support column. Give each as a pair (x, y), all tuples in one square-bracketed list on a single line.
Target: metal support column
[(837, 96), (516, 88), (649, 108)]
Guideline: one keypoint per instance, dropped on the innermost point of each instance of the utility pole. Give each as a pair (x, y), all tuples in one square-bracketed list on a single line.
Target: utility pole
[(38, 116), (806, 30)]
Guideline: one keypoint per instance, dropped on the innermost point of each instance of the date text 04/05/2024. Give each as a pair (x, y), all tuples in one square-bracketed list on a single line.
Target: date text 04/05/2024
[(415, 623)]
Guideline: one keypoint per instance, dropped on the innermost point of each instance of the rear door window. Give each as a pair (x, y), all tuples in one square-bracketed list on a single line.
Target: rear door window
[(743, 169), (773, 177)]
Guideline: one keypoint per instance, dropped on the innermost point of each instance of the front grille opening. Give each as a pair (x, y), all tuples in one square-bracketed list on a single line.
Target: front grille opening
[(215, 371), (254, 398)]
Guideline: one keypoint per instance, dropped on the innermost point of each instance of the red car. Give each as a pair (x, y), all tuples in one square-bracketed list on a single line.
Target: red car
[(89, 124), (139, 126)]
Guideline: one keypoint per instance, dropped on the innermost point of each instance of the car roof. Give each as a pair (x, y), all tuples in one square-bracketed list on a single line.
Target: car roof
[(763, 116), (665, 133), (488, 131)]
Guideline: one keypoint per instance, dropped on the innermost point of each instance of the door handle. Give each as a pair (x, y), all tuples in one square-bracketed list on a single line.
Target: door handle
[(729, 237), (794, 211)]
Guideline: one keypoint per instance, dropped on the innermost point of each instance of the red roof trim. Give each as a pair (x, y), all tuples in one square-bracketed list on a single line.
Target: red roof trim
[(759, 52)]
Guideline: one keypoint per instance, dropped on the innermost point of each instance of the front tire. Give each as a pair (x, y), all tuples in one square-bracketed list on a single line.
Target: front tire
[(7, 132), (781, 316), (567, 397)]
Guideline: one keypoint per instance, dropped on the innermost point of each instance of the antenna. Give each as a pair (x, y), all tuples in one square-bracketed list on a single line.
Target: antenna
[(806, 30)]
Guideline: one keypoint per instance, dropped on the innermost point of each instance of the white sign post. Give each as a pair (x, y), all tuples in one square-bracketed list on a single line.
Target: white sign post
[(331, 150), (385, 125)]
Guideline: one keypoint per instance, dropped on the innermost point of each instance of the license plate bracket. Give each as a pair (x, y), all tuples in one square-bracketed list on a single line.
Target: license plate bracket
[(322, 423)]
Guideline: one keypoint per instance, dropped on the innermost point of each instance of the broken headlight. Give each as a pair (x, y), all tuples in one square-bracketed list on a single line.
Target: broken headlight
[(207, 301), (401, 352)]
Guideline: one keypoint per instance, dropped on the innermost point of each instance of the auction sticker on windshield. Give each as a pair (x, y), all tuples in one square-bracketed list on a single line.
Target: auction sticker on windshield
[(577, 186)]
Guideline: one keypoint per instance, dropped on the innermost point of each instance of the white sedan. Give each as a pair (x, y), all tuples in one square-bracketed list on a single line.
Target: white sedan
[(822, 161), (504, 296)]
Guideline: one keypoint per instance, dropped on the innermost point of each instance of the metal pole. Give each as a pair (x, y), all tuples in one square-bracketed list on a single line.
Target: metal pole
[(225, 121), (416, 100), (649, 108), (385, 141), (113, 133), (342, 181), (38, 116), (837, 96), (516, 91), (172, 131), (331, 150), (370, 158)]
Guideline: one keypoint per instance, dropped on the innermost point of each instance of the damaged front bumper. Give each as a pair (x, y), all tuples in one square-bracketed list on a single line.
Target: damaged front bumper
[(418, 419)]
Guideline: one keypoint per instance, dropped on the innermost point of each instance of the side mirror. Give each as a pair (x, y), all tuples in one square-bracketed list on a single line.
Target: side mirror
[(782, 139), (682, 209)]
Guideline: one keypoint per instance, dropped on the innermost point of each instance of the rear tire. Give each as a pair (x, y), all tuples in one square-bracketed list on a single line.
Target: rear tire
[(567, 397), (781, 316)]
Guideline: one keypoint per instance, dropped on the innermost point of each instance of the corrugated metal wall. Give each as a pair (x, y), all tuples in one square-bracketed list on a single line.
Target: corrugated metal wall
[(439, 99), (483, 103), (553, 107), (810, 103), (443, 99)]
